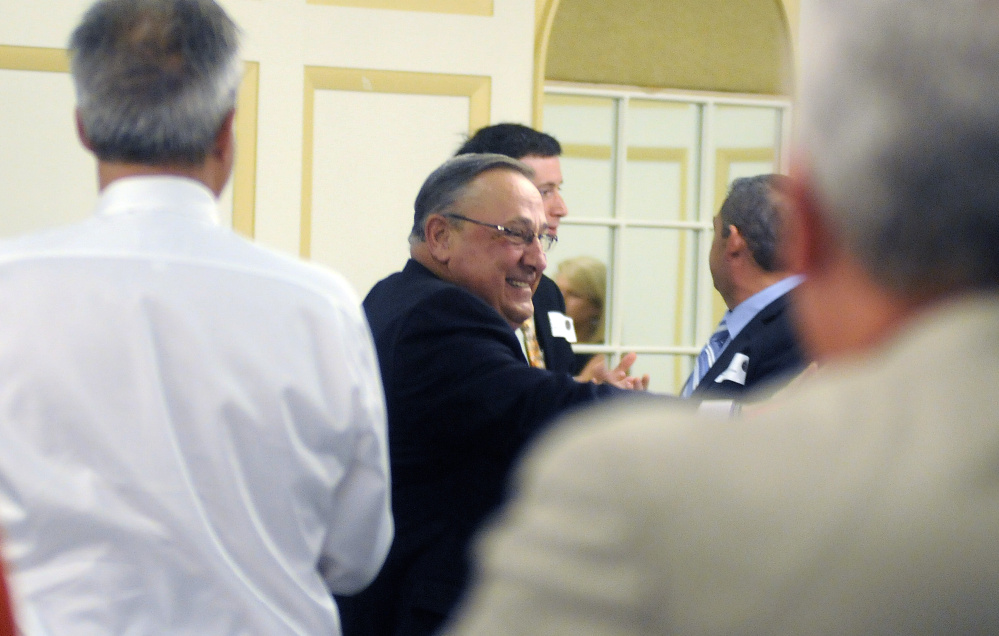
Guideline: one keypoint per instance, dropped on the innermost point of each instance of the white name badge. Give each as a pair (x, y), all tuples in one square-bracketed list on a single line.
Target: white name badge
[(562, 326), (736, 371)]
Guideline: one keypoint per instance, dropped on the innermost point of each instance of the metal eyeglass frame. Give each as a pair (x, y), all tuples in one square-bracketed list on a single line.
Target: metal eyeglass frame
[(524, 238)]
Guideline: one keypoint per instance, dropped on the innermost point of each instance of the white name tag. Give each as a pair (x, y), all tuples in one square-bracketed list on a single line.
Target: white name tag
[(736, 371), (562, 326)]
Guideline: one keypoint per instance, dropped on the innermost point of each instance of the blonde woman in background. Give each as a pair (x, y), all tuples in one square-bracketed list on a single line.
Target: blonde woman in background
[(583, 281)]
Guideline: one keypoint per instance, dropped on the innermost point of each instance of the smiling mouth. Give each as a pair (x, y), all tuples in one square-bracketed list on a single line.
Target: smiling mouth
[(518, 283)]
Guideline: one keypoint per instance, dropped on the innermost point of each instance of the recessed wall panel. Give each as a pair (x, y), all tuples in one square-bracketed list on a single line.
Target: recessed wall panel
[(47, 179), (39, 145), (362, 197)]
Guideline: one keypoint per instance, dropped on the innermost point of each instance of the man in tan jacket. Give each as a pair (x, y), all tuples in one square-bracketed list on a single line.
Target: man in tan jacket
[(864, 499)]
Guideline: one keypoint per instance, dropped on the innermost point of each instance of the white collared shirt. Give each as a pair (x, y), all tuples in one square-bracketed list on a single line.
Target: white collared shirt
[(193, 427)]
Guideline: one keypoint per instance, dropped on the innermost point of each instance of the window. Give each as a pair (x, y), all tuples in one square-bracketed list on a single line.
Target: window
[(644, 174)]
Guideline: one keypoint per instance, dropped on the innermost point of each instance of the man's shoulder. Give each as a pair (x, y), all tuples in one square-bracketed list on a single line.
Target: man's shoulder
[(399, 297), (212, 252), (765, 305), (413, 281), (223, 250), (843, 417), (41, 242), (317, 278), (772, 321), (403, 290), (776, 307)]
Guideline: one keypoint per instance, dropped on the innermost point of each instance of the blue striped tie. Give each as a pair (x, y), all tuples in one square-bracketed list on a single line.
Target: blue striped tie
[(710, 352)]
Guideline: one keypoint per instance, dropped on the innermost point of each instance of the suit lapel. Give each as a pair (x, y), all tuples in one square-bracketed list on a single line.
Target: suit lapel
[(738, 344)]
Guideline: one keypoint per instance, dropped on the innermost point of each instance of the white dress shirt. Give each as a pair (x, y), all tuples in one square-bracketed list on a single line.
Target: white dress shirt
[(193, 427)]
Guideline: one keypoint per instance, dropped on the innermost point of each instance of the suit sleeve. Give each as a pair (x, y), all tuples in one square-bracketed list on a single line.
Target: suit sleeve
[(457, 365), (562, 558)]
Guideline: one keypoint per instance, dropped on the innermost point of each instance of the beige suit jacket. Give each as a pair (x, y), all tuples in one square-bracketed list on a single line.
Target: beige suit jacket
[(866, 501)]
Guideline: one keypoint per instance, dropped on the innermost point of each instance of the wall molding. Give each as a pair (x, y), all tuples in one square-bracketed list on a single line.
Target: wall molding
[(462, 7), (478, 90), (49, 60), (33, 58), (244, 173)]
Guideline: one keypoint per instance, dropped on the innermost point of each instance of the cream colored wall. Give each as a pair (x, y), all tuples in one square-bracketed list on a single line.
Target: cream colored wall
[(348, 105), (316, 176)]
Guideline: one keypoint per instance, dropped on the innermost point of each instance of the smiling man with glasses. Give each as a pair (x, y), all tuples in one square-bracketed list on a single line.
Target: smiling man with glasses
[(548, 331), (462, 399)]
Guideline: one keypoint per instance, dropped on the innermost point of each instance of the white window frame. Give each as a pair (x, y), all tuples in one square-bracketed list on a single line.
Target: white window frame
[(705, 320)]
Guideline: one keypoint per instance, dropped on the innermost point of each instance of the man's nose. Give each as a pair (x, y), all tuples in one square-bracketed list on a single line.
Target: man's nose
[(534, 255), (559, 208)]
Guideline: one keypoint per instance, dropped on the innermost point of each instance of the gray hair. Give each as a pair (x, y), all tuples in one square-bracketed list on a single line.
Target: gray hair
[(752, 206), (899, 122), (155, 79), (449, 183)]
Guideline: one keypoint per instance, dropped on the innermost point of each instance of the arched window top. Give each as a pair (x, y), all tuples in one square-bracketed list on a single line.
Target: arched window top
[(740, 46)]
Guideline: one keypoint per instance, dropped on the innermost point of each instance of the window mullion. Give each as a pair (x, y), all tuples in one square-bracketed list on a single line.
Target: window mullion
[(620, 214)]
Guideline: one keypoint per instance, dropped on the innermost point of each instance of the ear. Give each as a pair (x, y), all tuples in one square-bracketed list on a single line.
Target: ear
[(735, 243), (81, 131), (807, 240), (224, 148), (439, 235)]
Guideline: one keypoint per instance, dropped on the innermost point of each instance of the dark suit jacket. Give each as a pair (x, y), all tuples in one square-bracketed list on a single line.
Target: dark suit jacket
[(558, 352), (462, 403), (768, 340)]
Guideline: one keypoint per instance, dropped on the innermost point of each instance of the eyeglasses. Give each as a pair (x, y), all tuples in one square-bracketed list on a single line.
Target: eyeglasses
[(520, 237)]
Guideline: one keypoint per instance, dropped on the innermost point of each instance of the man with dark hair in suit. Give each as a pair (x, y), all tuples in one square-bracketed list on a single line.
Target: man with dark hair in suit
[(462, 399), (755, 342)]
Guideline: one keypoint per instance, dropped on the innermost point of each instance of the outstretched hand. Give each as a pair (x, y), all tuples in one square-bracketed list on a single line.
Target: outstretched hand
[(596, 371)]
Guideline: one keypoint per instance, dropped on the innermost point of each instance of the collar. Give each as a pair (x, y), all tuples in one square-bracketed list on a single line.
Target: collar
[(169, 194), (745, 311)]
